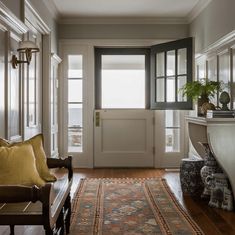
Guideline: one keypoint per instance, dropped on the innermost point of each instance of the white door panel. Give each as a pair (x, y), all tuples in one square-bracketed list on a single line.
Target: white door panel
[(123, 138)]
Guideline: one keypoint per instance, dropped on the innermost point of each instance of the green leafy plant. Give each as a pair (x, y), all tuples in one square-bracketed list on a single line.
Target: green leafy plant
[(203, 89)]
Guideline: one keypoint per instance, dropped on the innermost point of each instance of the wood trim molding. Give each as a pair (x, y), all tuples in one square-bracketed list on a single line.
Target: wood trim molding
[(9, 78), (197, 9), (222, 52), (35, 19), (56, 58), (11, 21), (124, 20), (3, 28), (200, 6), (227, 39), (15, 37)]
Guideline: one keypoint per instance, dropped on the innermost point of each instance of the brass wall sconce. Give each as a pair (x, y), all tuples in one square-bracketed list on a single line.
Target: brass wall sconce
[(26, 47)]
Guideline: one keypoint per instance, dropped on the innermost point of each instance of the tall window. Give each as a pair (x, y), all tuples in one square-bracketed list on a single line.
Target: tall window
[(172, 131), (121, 78), (224, 71), (75, 103)]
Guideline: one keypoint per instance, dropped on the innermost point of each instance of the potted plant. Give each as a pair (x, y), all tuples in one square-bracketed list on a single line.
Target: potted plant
[(202, 91)]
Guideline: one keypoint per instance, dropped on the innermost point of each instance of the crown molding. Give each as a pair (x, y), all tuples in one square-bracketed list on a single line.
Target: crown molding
[(11, 21), (218, 47), (118, 20), (35, 20), (52, 8), (225, 40), (199, 7)]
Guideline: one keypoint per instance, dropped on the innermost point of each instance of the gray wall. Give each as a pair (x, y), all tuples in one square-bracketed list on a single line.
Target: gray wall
[(217, 20), (14, 6), (122, 31), (47, 17)]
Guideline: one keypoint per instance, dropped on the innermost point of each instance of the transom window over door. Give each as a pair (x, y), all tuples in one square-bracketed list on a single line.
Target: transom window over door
[(122, 78)]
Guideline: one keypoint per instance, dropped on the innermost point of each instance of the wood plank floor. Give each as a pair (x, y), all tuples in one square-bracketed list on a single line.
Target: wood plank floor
[(212, 221)]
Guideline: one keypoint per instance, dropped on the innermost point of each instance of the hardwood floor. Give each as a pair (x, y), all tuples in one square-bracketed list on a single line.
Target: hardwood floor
[(212, 221)]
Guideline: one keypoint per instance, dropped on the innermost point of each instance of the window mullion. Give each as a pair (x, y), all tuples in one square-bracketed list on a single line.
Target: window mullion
[(165, 72), (176, 75)]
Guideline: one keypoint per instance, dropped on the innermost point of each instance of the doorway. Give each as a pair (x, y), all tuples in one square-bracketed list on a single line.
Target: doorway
[(125, 102)]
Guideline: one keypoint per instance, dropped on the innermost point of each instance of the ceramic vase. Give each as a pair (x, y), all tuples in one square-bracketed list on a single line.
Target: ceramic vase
[(221, 195), (210, 167)]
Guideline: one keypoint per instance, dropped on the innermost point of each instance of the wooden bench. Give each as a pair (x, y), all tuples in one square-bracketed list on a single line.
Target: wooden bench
[(49, 205)]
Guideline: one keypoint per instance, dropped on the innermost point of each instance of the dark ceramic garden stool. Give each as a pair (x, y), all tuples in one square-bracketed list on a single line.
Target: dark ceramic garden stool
[(190, 178)]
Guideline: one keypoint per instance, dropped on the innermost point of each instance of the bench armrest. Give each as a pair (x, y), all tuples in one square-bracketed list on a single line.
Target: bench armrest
[(60, 163), (16, 193)]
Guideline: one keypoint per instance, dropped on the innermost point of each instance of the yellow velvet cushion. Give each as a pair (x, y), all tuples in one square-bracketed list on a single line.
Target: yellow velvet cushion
[(4, 143), (18, 166), (39, 153), (37, 143)]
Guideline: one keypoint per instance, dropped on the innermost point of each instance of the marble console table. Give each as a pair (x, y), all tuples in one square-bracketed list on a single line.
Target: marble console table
[(220, 134)]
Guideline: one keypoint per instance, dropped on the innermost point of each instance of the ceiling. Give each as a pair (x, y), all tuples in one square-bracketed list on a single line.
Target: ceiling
[(127, 8)]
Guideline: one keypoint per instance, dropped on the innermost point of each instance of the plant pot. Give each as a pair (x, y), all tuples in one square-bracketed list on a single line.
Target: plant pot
[(207, 106), (201, 100)]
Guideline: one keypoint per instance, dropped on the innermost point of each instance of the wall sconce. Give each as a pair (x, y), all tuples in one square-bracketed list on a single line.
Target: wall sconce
[(26, 47)]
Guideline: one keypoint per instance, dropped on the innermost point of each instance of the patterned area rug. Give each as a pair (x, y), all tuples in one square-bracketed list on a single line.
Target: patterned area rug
[(128, 207)]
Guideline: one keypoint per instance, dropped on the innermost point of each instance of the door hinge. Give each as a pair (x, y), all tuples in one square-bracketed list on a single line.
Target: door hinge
[(153, 150)]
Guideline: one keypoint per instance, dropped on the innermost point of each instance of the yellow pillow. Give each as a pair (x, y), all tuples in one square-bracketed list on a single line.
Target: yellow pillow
[(18, 166), (39, 153), (4, 143), (37, 143)]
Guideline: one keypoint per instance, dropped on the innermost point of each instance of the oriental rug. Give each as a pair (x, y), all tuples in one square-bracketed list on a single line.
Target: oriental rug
[(128, 206)]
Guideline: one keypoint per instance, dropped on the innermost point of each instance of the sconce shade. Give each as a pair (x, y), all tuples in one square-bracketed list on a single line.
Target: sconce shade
[(28, 45)]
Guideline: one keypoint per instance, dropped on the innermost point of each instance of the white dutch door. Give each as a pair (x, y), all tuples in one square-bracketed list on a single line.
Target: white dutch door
[(123, 127)]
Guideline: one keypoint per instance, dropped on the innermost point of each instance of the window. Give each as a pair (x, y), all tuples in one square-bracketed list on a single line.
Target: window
[(122, 78), (212, 75), (75, 103), (172, 131), (171, 69), (224, 71), (123, 75)]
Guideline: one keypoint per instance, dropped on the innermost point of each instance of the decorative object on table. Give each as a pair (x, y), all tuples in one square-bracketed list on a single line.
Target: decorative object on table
[(207, 107), (220, 114), (190, 177), (129, 206), (221, 195), (210, 167), (224, 99), (202, 91)]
